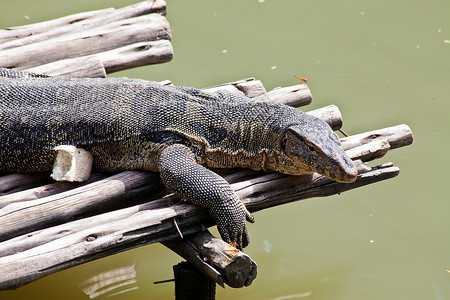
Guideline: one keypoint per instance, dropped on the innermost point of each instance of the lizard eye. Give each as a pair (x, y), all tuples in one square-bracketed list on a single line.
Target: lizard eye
[(310, 147), (283, 143)]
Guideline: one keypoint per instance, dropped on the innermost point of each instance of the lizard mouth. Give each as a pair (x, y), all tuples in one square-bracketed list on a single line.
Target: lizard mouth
[(348, 177), (345, 172)]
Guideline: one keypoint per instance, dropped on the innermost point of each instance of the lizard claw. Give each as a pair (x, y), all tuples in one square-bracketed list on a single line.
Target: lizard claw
[(249, 217), (234, 234)]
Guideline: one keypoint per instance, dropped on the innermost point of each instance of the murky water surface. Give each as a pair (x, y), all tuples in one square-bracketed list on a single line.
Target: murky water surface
[(383, 63)]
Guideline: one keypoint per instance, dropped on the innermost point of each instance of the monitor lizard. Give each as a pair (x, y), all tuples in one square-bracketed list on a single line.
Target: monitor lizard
[(179, 132)]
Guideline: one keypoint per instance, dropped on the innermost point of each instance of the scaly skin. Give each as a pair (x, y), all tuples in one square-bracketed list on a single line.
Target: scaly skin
[(177, 131)]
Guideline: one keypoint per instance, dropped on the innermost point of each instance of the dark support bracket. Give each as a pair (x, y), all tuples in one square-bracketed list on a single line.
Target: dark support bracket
[(192, 284)]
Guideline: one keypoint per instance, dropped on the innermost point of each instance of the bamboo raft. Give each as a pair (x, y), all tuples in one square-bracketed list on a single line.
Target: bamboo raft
[(50, 226)]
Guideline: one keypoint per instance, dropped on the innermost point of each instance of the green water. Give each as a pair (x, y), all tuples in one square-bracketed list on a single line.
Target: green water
[(383, 63)]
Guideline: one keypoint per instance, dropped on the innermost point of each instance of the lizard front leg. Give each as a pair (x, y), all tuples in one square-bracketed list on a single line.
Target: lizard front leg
[(183, 175)]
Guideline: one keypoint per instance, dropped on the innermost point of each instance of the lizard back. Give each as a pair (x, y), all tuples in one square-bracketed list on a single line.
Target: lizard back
[(125, 120)]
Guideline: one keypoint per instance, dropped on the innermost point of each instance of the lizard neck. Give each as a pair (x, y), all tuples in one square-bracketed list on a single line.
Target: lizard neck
[(249, 142)]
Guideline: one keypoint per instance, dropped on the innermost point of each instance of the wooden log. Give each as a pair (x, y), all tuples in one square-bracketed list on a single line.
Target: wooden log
[(296, 95), (107, 37), (15, 33), (95, 237), (97, 65), (24, 35), (203, 250), (18, 181), (396, 136), (251, 88), (330, 114), (231, 87), (42, 191), (25, 216), (295, 188), (370, 151), (86, 66), (136, 55), (64, 237)]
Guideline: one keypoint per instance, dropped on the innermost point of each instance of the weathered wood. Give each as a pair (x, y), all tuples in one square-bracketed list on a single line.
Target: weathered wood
[(97, 65), (28, 34), (90, 44), (92, 238), (25, 216), (330, 114), (295, 188), (370, 151), (251, 88), (21, 32), (42, 190), (56, 248), (110, 36), (203, 250), (85, 66), (14, 181), (136, 217), (296, 95), (136, 55), (396, 136)]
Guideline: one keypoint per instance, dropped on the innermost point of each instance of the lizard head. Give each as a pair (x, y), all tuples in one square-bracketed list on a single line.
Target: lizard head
[(313, 147)]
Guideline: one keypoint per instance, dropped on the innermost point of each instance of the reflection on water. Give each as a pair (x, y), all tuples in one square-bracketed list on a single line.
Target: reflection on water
[(293, 296), (110, 283)]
